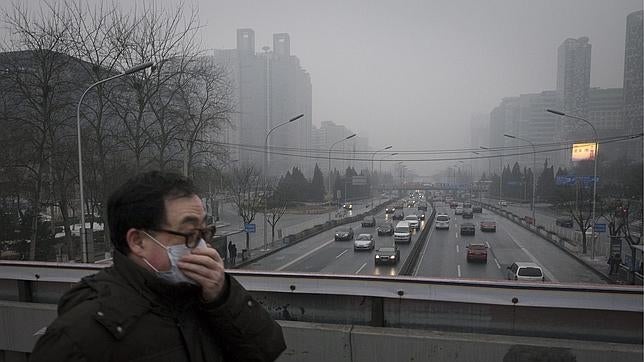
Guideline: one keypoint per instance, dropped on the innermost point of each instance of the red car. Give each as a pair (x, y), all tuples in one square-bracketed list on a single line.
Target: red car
[(477, 252), (488, 225)]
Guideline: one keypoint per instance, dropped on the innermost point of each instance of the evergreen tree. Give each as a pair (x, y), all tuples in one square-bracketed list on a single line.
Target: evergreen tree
[(317, 185)]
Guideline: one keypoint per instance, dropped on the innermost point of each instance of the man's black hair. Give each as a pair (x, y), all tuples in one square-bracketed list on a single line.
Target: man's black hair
[(140, 203)]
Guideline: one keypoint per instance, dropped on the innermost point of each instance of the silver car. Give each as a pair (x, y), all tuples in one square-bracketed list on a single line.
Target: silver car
[(364, 242)]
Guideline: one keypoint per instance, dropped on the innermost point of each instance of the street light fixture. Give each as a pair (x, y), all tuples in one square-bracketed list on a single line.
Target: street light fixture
[(534, 173), (559, 113), (500, 172), (136, 68), (389, 155), (266, 156), (330, 148), (372, 157)]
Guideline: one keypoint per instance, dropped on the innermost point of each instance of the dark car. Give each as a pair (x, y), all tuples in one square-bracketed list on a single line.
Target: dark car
[(347, 206), (468, 214), (564, 222), (387, 255), (488, 225), (421, 216), (477, 209), (468, 229), (477, 252), (390, 210), (344, 234), (386, 229), (368, 221), (422, 206), (398, 215)]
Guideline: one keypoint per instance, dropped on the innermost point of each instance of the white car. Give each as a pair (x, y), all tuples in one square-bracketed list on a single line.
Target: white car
[(364, 242), (402, 232), (525, 271), (442, 221), (414, 223), (459, 210)]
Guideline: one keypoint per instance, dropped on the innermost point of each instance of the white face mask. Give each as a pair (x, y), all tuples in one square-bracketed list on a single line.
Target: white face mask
[(175, 252)]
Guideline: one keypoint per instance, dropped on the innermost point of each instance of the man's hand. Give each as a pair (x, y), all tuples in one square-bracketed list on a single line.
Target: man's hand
[(204, 266)]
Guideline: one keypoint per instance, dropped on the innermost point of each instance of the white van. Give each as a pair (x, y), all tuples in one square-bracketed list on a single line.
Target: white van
[(402, 232)]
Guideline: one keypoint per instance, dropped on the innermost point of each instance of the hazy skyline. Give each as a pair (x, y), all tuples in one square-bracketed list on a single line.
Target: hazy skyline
[(411, 74)]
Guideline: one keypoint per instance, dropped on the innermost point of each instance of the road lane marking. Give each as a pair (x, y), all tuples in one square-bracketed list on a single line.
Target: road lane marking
[(488, 244), (497, 263), (342, 253), (422, 256), (534, 260), (458, 268), (359, 270), (457, 234), (303, 256), (457, 249)]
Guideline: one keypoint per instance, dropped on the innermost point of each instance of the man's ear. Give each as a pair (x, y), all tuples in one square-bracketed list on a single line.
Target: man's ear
[(134, 238)]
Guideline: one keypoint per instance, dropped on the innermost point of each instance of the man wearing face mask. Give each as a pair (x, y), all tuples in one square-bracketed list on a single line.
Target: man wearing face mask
[(167, 296)]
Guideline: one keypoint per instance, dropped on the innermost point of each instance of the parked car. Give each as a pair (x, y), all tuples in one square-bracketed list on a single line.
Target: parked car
[(477, 252), (442, 221), (468, 214), (477, 209), (468, 229), (413, 221), (564, 221), (369, 221), (402, 232), (386, 229), (344, 234), (525, 271), (387, 255), (364, 242), (488, 225), (398, 215)]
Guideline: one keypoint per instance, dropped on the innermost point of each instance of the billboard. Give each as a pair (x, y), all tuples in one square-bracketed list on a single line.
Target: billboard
[(583, 151)]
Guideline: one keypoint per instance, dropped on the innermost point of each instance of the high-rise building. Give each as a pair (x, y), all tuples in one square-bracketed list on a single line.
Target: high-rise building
[(605, 112), (573, 75), (502, 120), (270, 88), (480, 136), (633, 91)]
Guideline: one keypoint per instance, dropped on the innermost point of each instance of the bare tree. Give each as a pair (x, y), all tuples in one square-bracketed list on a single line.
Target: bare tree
[(277, 206), (246, 187), (581, 211)]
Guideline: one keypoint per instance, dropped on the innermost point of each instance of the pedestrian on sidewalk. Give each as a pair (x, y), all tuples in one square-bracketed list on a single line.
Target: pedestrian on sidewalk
[(613, 262), (232, 252)]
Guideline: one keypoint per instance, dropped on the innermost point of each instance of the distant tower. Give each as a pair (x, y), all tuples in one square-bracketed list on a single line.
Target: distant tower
[(573, 75), (633, 91), (246, 42), (282, 44)]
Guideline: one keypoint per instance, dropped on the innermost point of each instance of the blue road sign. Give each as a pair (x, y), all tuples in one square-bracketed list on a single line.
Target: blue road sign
[(249, 228), (571, 180), (600, 228)]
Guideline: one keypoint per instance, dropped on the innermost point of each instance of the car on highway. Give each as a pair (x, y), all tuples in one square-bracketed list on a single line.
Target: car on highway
[(421, 216), (488, 225), (347, 206), (564, 221), (387, 255), (468, 214), (503, 203), (368, 221), (398, 215), (390, 210), (476, 252), (458, 210), (467, 205), (414, 223), (386, 228), (402, 232), (442, 221), (477, 209), (525, 271), (344, 234), (364, 242), (468, 229), (422, 206), (453, 204)]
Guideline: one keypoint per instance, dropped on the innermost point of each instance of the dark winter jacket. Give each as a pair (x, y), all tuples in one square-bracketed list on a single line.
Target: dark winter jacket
[(125, 313)]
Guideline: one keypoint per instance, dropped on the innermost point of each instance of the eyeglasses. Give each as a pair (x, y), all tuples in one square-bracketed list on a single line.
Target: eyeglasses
[(193, 237)]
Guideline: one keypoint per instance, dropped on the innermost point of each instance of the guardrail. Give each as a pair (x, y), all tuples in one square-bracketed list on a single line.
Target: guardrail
[(412, 259)]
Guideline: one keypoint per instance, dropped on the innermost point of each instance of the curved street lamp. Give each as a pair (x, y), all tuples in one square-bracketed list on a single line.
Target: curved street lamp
[(266, 156), (534, 173), (373, 154), (330, 148), (136, 68), (559, 113)]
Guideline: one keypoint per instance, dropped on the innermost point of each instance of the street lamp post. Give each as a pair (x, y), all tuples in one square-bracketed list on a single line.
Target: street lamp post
[(389, 155), (501, 173), (594, 168), (470, 179), (331, 148), (266, 154), (534, 173), (129, 71), (372, 157)]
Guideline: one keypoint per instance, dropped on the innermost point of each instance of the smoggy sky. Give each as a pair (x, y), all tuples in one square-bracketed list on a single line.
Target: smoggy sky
[(412, 73)]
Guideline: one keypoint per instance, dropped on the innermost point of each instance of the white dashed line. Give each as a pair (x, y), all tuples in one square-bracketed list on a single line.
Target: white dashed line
[(359, 270), (342, 253), (457, 249), (534, 260), (458, 269), (457, 234), (303, 256), (497, 263), (488, 244)]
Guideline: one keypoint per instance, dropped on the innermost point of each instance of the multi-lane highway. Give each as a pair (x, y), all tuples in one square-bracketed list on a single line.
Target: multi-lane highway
[(443, 256)]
